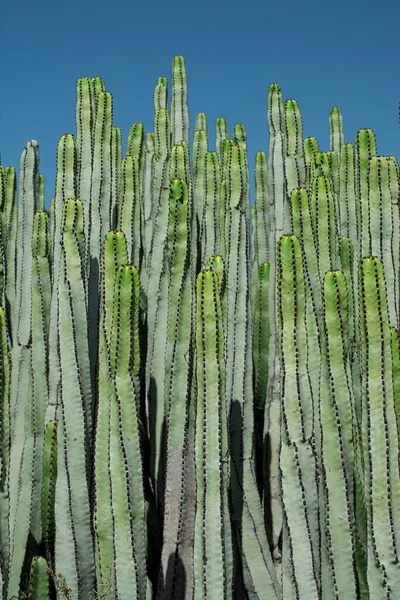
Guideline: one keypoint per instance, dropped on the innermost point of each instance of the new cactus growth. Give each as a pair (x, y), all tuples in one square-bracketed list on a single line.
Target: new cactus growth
[(187, 412)]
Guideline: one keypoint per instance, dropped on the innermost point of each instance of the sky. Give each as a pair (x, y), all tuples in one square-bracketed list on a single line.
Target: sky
[(322, 54)]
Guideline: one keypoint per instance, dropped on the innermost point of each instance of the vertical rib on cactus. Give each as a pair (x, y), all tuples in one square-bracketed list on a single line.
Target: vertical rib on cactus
[(395, 344), (5, 374), (179, 108), (336, 135), (129, 208), (365, 149), (41, 301), (295, 166), (74, 541), (221, 134), (28, 203), (258, 572), (126, 464), (161, 94), (99, 216), (213, 560), (279, 223), (21, 405), (379, 433), (297, 460), (378, 239), (114, 255), (210, 228), (85, 116), (66, 187), (199, 153), (336, 416), (176, 561), (239, 135)]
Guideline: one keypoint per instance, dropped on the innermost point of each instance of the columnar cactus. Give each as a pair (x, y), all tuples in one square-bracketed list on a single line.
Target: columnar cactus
[(186, 411)]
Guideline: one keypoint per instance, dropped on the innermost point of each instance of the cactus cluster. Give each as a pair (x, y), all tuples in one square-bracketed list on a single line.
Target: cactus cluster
[(190, 410)]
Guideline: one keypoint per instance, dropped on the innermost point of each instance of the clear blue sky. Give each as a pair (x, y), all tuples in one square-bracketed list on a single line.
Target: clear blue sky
[(322, 54)]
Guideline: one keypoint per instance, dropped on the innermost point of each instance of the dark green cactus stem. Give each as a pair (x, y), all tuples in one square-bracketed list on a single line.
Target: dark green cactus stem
[(39, 579), (49, 480)]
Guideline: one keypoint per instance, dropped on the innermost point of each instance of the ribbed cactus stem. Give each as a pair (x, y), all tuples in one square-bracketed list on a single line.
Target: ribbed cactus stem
[(379, 433), (126, 463), (213, 561)]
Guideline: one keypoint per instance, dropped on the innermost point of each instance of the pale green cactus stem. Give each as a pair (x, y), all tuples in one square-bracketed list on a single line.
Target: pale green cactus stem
[(130, 209), (295, 167), (66, 187), (322, 211), (136, 143), (176, 575), (179, 108), (336, 414), (9, 232), (29, 204), (147, 223), (114, 255), (365, 149), (21, 406), (100, 214), (379, 242), (221, 130), (41, 301), (258, 571), (240, 136), (49, 481), (395, 344), (199, 153), (85, 115), (347, 200), (5, 375), (135, 147), (279, 223), (201, 122), (394, 187), (297, 460), (336, 135), (213, 559), (210, 227), (311, 148), (74, 552), (38, 579), (126, 464), (379, 433), (226, 146), (155, 209), (8, 191), (259, 222), (161, 94)]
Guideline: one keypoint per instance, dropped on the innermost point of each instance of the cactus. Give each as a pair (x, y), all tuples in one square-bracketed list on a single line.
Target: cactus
[(195, 403)]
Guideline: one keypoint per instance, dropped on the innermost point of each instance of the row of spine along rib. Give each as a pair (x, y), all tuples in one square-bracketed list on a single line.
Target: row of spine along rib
[(174, 423)]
